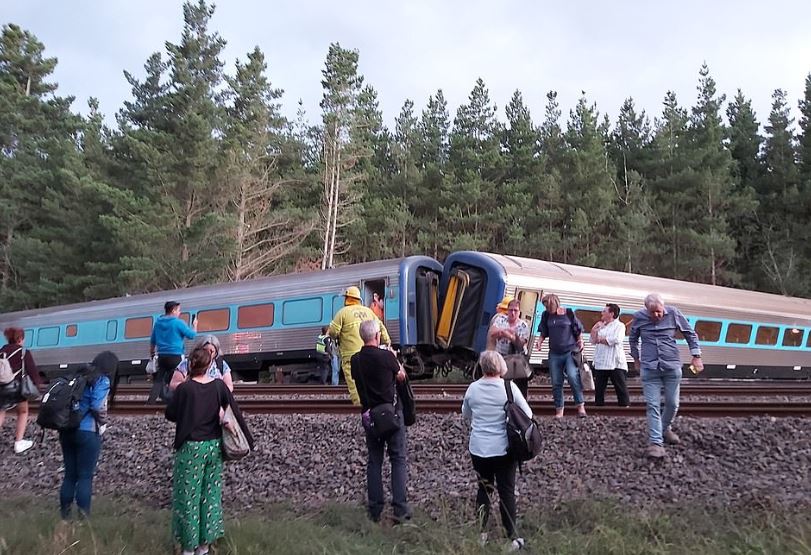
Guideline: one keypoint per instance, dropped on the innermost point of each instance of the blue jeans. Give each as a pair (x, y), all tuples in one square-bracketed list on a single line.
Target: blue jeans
[(336, 367), (558, 365), (653, 381), (396, 445), (80, 450)]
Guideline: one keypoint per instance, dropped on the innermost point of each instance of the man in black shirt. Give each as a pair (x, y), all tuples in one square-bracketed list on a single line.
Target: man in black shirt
[(376, 372)]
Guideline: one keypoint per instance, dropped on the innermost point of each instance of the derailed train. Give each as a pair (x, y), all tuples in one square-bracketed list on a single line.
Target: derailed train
[(437, 316)]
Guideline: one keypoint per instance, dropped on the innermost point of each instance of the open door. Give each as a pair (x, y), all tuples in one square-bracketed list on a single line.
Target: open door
[(457, 285), (531, 310)]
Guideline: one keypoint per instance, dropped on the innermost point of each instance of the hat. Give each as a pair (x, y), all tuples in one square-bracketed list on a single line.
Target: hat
[(353, 293), (505, 302)]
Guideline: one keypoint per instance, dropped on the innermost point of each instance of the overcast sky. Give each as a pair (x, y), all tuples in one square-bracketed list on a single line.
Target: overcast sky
[(409, 49)]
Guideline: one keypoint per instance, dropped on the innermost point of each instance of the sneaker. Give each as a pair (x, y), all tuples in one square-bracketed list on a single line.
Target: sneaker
[(655, 452), (672, 437), (23, 445), (516, 545), (483, 539)]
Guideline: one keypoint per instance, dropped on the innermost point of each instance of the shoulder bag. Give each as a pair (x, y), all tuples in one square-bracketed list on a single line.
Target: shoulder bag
[(383, 418), (586, 376), (234, 443)]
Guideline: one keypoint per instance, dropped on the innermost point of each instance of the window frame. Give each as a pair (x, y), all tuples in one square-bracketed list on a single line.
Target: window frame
[(48, 328), (71, 328), (140, 318), (787, 333), (767, 327), (719, 323), (201, 326), (255, 306), (286, 303), (742, 325)]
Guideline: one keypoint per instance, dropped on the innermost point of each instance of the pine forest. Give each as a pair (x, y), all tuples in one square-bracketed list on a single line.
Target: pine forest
[(199, 178)]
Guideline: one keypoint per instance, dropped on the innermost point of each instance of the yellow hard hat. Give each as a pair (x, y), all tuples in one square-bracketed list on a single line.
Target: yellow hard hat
[(353, 293), (505, 302)]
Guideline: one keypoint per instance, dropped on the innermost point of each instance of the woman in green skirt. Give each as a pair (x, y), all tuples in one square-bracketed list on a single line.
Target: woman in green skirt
[(197, 408)]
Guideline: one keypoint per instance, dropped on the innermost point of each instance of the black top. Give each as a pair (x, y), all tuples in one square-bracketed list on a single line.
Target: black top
[(195, 407), (374, 371)]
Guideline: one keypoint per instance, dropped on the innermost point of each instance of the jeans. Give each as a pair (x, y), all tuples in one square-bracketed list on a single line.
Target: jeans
[(496, 473), (653, 381), (80, 450), (336, 367), (161, 379), (558, 365), (396, 445), (617, 377)]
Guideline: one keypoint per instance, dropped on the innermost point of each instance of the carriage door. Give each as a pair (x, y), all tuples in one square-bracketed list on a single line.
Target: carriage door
[(368, 290), (457, 285), (531, 310)]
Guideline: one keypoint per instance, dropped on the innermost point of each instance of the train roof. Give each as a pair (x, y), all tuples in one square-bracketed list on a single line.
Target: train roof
[(323, 280), (621, 284)]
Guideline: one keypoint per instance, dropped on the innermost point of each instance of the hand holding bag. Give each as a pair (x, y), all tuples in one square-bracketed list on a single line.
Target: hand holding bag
[(235, 445), (586, 376)]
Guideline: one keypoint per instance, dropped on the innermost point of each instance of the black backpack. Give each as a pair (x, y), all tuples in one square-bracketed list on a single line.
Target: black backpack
[(523, 435), (59, 408)]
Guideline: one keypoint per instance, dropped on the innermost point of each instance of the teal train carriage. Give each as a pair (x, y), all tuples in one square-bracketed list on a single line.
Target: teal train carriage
[(743, 334), (267, 324)]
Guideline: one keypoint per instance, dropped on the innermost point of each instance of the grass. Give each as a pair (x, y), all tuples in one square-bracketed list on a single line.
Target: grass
[(30, 525)]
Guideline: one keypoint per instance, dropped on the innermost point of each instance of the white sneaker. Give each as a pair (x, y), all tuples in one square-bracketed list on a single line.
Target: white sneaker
[(23, 445), (516, 545)]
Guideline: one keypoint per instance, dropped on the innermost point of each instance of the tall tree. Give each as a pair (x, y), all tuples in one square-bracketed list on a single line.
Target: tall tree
[(434, 128), (805, 133), (342, 86), (258, 170)]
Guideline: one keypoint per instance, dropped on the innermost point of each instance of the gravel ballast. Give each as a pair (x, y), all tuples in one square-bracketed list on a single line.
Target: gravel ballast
[(309, 460)]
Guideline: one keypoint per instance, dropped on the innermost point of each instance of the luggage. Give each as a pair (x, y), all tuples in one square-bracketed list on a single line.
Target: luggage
[(59, 409)]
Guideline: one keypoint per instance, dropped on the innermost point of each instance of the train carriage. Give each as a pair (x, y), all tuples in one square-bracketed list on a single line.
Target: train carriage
[(743, 334), (267, 324)]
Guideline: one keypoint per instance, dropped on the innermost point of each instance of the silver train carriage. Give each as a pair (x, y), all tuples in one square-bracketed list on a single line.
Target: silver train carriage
[(743, 334), (268, 324)]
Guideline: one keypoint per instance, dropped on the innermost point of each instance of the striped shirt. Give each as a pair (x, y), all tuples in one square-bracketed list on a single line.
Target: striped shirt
[(611, 356)]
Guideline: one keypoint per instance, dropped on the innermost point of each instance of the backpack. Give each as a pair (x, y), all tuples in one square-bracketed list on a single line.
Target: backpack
[(523, 435), (59, 408), (7, 373)]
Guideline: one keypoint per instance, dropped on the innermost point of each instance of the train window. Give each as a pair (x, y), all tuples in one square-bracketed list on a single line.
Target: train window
[(627, 320), (112, 330), (303, 311), (71, 330), (47, 337), (588, 317), (29, 338), (337, 304), (708, 331), (256, 316), (766, 335), (185, 317), (738, 333), (808, 343), (218, 319), (793, 337), (135, 328)]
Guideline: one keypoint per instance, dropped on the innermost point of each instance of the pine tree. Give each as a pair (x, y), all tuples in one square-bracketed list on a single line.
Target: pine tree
[(805, 134), (433, 147), (259, 170)]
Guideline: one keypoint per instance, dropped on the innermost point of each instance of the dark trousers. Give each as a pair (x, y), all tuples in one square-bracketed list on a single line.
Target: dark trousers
[(496, 473), (161, 379), (396, 446), (617, 377), (523, 386), (323, 369), (80, 450)]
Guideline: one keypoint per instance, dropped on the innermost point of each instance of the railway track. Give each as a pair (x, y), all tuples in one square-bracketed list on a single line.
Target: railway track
[(719, 389)]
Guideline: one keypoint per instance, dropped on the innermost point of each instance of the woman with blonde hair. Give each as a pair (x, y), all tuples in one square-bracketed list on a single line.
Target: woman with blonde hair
[(565, 332), (484, 408)]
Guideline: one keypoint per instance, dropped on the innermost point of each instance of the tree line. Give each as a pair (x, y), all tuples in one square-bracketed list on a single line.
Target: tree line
[(202, 180)]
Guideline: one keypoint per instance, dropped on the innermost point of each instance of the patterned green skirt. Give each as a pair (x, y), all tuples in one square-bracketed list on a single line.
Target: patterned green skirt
[(197, 494)]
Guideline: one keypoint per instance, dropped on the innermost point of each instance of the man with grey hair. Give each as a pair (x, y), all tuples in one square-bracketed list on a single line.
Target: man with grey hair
[(660, 366), (376, 372)]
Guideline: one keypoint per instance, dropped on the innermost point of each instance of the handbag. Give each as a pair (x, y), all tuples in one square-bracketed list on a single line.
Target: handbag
[(517, 367), (28, 389), (234, 443), (583, 368), (152, 365), (384, 420)]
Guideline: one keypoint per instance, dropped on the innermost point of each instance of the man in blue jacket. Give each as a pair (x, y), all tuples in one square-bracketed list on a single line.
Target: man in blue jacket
[(167, 340)]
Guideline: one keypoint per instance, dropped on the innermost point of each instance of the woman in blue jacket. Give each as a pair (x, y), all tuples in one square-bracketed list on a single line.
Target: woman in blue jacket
[(81, 447)]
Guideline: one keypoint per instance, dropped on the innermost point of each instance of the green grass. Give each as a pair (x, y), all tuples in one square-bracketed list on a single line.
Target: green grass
[(30, 525)]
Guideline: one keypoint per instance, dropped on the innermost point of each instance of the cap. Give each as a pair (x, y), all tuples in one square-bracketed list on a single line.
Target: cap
[(353, 293), (504, 302)]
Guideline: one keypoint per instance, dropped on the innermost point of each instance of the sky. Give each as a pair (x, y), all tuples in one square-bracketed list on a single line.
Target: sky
[(409, 49)]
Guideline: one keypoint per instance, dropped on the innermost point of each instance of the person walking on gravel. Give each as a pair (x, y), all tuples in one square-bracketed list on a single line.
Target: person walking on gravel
[(345, 327), (660, 367), (21, 361)]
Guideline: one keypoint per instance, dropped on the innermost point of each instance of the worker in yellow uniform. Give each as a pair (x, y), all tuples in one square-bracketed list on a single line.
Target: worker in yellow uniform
[(345, 327)]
